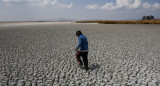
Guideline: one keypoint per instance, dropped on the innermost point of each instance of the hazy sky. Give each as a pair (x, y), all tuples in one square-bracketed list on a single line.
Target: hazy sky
[(26, 10)]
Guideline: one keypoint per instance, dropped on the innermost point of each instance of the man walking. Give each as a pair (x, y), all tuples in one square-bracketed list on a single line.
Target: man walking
[(83, 45)]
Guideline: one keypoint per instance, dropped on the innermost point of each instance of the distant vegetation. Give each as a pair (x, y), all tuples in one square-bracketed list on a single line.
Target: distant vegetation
[(151, 21), (147, 17)]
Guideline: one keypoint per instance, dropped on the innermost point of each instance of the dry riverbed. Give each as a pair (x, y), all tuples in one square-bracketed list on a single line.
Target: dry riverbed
[(43, 55)]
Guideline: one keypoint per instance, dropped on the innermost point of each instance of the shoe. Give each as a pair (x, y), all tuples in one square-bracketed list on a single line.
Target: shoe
[(81, 66), (86, 68)]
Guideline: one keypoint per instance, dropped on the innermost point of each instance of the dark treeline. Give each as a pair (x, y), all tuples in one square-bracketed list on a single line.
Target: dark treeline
[(147, 17)]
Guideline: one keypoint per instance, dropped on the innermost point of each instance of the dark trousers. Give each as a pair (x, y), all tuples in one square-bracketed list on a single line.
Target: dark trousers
[(84, 56)]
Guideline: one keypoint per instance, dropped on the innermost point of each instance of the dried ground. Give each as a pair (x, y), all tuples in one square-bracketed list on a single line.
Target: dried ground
[(43, 55)]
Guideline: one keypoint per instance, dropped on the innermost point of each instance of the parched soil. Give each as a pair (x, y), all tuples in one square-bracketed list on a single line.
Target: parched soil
[(43, 55)]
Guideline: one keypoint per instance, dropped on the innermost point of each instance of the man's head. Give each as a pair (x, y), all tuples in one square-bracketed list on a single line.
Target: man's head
[(78, 33)]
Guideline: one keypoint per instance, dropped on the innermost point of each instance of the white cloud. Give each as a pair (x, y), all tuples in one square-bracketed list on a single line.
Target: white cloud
[(70, 5), (54, 2), (18, 1), (147, 5), (60, 5), (156, 6), (108, 6), (128, 4), (135, 4), (125, 4), (41, 3), (92, 6), (131, 4), (7, 1)]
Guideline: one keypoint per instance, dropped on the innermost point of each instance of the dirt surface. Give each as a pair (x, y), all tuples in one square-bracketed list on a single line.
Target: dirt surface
[(43, 55)]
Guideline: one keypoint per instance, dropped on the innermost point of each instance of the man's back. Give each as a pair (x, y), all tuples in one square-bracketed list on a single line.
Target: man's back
[(83, 43)]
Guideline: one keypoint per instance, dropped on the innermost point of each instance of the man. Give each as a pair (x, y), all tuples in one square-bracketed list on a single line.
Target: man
[(83, 45)]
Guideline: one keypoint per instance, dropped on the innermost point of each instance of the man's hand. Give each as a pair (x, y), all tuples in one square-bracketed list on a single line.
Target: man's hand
[(76, 50)]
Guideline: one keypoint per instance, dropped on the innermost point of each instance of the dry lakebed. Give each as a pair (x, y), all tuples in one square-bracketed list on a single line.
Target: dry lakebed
[(42, 54)]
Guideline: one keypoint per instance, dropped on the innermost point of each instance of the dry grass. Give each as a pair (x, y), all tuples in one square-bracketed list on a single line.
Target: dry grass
[(154, 21)]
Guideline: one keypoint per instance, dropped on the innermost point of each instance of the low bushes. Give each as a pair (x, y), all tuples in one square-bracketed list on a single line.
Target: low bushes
[(154, 21)]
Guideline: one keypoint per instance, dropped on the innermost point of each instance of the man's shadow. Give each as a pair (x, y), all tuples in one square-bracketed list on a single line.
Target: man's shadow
[(94, 66)]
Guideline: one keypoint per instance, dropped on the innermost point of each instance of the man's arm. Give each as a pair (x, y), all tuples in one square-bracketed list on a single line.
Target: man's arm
[(79, 44)]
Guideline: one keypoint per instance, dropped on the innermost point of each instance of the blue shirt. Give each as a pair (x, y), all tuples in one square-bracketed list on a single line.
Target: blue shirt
[(83, 43)]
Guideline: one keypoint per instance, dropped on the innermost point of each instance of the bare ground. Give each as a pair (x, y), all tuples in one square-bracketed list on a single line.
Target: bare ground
[(43, 54)]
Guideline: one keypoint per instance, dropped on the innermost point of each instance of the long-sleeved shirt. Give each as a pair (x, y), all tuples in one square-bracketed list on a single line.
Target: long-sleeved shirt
[(83, 43)]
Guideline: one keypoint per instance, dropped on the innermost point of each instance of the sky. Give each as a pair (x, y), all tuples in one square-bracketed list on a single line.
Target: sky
[(37, 10)]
